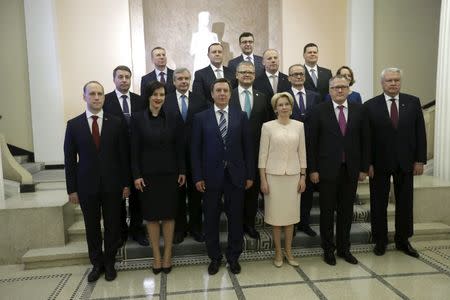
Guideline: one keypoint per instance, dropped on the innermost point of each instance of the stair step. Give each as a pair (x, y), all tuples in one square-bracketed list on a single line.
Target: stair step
[(49, 176), (21, 158), (34, 167)]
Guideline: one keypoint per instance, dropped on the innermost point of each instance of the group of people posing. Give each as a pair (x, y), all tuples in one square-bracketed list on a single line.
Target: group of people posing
[(244, 130)]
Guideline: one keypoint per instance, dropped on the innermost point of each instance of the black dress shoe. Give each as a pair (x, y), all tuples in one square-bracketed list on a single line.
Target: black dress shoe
[(235, 267), (198, 236), (141, 239), (348, 257), (110, 273), (307, 229), (178, 238), (407, 249), (213, 267), (379, 249), (95, 274), (167, 270), (329, 258), (251, 231)]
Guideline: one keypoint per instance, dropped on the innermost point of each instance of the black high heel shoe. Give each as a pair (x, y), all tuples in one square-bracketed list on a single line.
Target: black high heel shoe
[(167, 270)]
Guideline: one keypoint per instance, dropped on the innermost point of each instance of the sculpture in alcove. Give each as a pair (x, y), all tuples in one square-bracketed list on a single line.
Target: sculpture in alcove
[(201, 40)]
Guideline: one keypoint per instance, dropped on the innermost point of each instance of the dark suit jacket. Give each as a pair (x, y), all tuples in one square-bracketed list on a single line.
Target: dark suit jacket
[(157, 147), (258, 116), (205, 77), (259, 68), (210, 156), (323, 78), (312, 99), (401, 147), (170, 88), (326, 142), (113, 107), (262, 84), (108, 166)]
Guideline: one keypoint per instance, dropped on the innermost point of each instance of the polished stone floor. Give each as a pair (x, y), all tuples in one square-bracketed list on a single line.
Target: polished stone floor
[(393, 276)]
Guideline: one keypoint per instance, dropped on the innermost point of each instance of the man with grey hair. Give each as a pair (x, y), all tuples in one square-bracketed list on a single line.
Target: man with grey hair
[(187, 104), (399, 150)]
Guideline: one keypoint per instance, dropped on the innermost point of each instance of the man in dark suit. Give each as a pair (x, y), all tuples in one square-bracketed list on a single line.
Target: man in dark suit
[(222, 164), (203, 78), (253, 102), (122, 103), (317, 78), (187, 104), (304, 102), (271, 81), (97, 177), (399, 149), (161, 72), (338, 156), (246, 42)]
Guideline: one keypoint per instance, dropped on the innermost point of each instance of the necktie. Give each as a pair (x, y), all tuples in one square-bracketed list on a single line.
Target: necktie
[(314, 76), (223, 126), (249, 58), (184, 107), (162, 79), (95, 132), (274, 82), (301, 104), (219, 73), (342, 125), (394, 113), (247, 104), (125, 108)]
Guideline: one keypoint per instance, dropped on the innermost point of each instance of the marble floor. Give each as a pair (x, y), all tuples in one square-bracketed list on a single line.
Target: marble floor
[(393, 276)]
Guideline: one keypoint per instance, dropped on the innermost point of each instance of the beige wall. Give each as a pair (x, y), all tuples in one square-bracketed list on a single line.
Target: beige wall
[(15, 100), (93, 38), (406, 36), (322, 22)]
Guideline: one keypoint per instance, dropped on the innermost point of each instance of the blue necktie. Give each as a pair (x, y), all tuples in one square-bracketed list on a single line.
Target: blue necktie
[(247, 105), (223, 126), (184, 107), (125, 108), (314, 77), (301, 104)]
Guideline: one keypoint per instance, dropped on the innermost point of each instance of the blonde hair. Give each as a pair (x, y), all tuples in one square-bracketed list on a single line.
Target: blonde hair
[(278, 96)]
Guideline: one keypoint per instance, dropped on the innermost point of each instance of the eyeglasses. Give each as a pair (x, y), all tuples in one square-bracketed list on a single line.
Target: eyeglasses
[(339, 87), (246, 72), (297, 74)]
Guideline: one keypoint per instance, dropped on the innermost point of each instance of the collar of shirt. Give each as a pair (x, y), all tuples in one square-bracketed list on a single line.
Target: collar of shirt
[(388, 98), (295, 91), (335, 105), (216, 109), (119, 95), (158, 71), (270, 74), (309, 68), (89, 114), (242, 89), (180, 94), (215, 68), (244, 56)]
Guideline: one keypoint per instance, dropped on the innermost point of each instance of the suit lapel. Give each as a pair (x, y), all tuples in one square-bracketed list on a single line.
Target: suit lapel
[(213, 120), (87, 131), (333, 120), (105, 130)]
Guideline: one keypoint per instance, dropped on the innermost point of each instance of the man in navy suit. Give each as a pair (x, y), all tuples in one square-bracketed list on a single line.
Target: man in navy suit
[(187, 104), (253, 103), (246, 42), (122, 103), (305, 101), (338, 157), (203, 78), (97, 177), (222, 164), (317, 78), (161, 72), (399, 149), (272, 80)]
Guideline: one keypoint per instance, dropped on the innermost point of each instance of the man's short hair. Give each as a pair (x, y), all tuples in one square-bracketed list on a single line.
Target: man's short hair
[(121, 68), (295, 65), (180, 70), (390, 70), (157, 48), (309, 45), (337, 76), (214, 44), (270, 49), (245, 34), (89, 82), (245, 63), (219, 80), (278, 96)]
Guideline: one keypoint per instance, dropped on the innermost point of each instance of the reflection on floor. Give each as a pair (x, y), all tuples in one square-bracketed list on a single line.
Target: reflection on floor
[(392, 276)]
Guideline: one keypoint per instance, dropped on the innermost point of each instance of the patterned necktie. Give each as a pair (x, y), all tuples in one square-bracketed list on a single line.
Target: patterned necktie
[(301, 104), (223, 128), (247, 104), (184, 107), (314, 77), (125, 109), (394, 113), (162, 79), (95, 132), (219, 73), (274, 82)]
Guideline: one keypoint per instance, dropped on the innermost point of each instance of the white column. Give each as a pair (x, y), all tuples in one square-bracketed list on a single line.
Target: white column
[(47, 107), (442, 121), (360, 45), (2, 186)]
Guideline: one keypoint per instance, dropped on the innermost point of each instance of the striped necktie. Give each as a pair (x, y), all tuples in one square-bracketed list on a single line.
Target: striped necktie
[(223, 128)]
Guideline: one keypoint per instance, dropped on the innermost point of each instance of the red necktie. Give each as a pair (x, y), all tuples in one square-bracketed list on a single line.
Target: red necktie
[(394, 113), (95, 132)]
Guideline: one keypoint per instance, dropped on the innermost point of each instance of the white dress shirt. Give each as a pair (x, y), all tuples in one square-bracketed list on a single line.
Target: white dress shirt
[(119, 97), (389, 103), (297, 96), (336, 110), (179, 99), (218, 114), (158, 71), (99, 120), (241, 92), (219, 68)]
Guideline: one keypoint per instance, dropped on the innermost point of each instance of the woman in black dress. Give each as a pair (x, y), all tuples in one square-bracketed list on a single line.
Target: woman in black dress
[(158, 166)]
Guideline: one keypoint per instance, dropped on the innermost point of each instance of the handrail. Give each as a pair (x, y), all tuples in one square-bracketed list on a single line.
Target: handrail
[(429, 104)]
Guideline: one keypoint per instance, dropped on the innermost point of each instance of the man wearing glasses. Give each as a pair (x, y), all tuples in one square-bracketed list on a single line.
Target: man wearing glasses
[(338, 156), (305, 100), (254, 103), (246, 42)]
